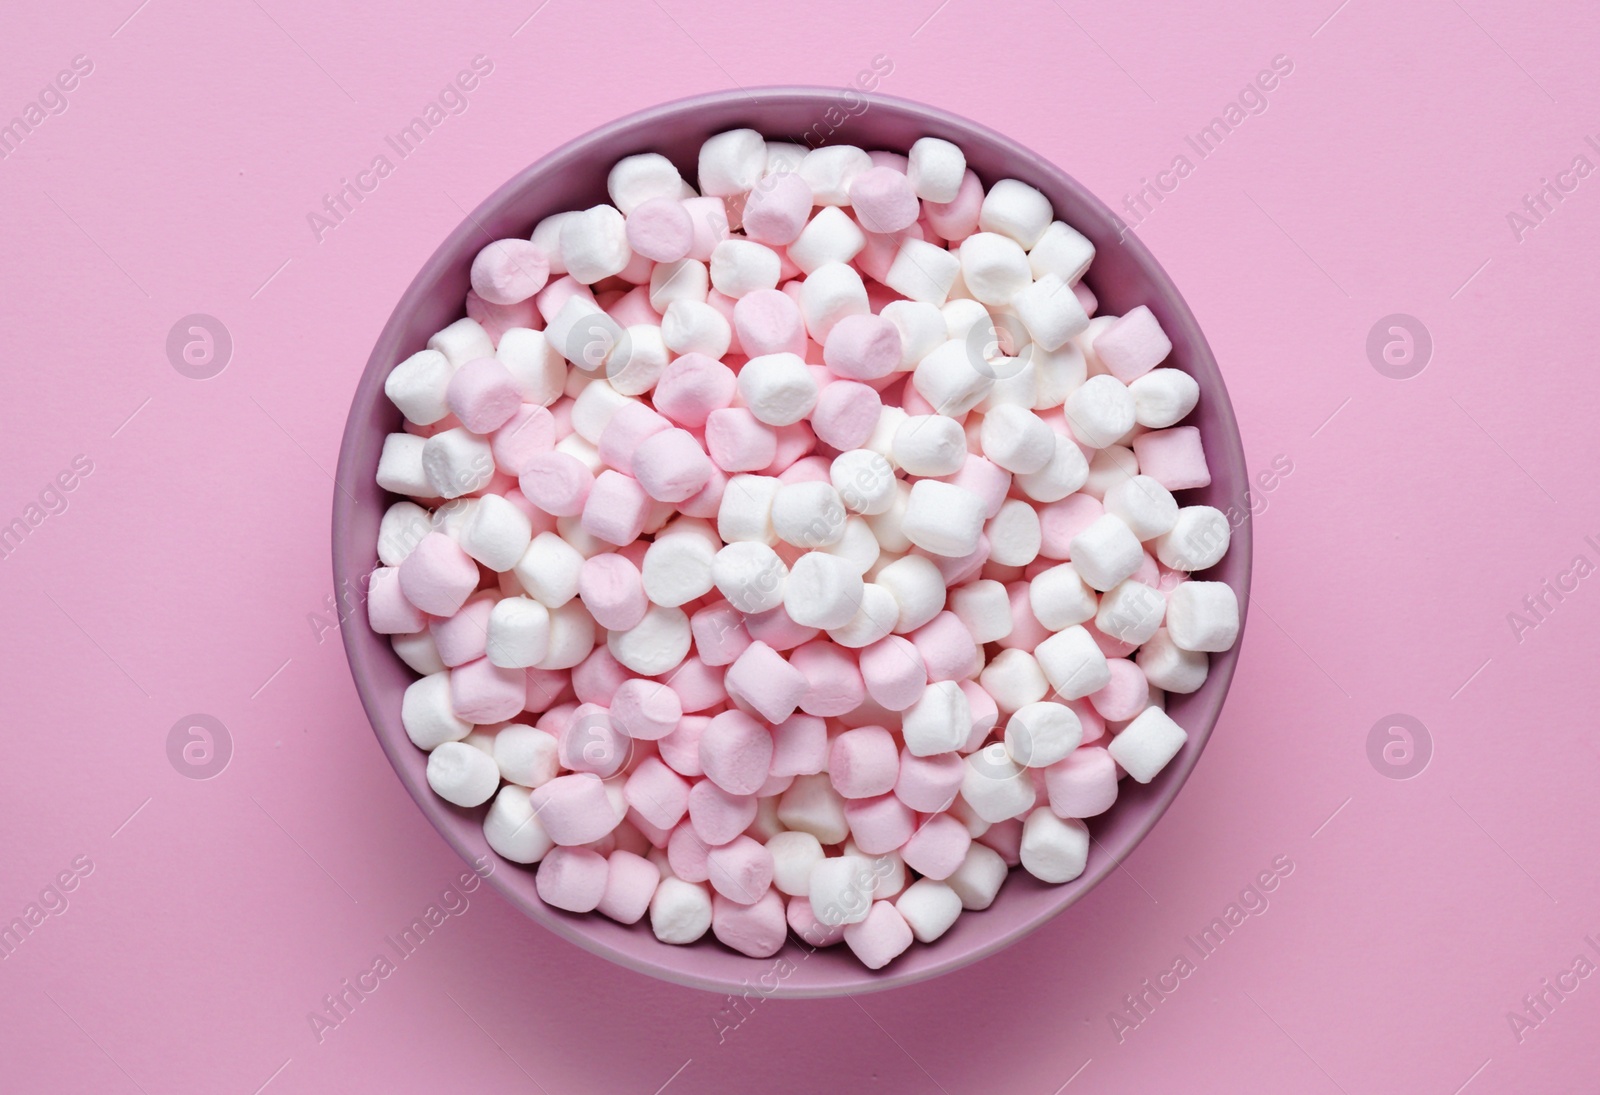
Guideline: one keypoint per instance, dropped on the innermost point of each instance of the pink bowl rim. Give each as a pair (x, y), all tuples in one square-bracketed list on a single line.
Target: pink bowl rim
[(361, 645)]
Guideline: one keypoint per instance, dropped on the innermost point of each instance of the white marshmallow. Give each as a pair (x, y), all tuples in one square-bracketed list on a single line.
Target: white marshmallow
[(732, 162), (512, 829), (830, 236), (994, 267), (962, 315), (918, 589), (538, 370), (518, 633), (400, 468), (680, 912), (427, 714), (1017, 439), (572, 632), (1171, 668), (692, 326), (526, 755), (1056, 373), (939, 722), (1203, 616), (1110, 466), (1163, 397), (634, 180), (1013, 680), (1072, 663), (745, 512), (930, 908), (943, 519), (978, 880), (418, 652), (881, 440), (809, 515), (1100, 411), (1015, 210), (1014, 534), (950, 380), (497, 534), (783, 158), (984, 608), (403, 525), (822, 591), (592, 411), (457, 462), (677, 567), (1063, 251), (638, 360), (583, 334), (778, 389), (655, 644), (594, 244), (740, 266), (811, 805), (549, 570), (864, 479), (686, 279), (750, 575), (1144, 505), (1059, 598), (1065, 472), (841, 889), (936, 168), (874, 620), (921, 326), (1146, 744), (417, 386), (930, 444), (831, 169), (1042, 733), (1054, 849), (857, 546), (1106, 552), (794, 856), (1197, 540), (462, 775), (923, 271), (995, 786), (1051, 312), (831, 292), (463, 341)]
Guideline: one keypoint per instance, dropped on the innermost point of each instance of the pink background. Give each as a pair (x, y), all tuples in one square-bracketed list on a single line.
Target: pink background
[(188, 570)]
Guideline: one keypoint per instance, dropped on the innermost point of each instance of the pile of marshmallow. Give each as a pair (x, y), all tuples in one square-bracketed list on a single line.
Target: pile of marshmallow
[(798, 554)]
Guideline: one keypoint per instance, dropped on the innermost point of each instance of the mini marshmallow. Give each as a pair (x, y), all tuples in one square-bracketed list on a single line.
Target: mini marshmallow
[(594, 243), (1146, 744), (677, 568), (874, 620), (880, 938), (740, 266), (1130, 612), (549, 570), (685, 279), (794, 856), (418, 386), (831, 169), (776, 210), (778, 388), (984, 610), (1145, 506), (1050, 311), (1171, 668), (884, 200), (831, 292), (865, 481), (510, 271), (1132, 345), (1163, 397), (462, 775), (462, 341), (1060, 598), (573, 879), (935, 169), (512, 830), (694, 327), (1100, 410), (680, 912), (427, 714), (741, 870), (846, 413), (634, 180), (939, 721), (918, 590), (526, 756), (575, 809), (864, 762), (631, 882), (1017, 440), (1016, 210), (693, 386), (950, 380), (930, 445), (1054, 849), (1203, 616), (1106, 552), (438, 576), (750, 575), (518, 633), (655, 644), (497, 533), (863, 347), (811, 805), (1072, 663), (768, 321), (822, 591), (660, 229), (808, 515), (929, 907), (736, 751), (1013, 680), (456, 462), (732, 162), (671, 466), (538, 369), (943, 519), (1061, 250), (840, 889), (1040, 734), (994, 267), (1174, 458), (831, 236)]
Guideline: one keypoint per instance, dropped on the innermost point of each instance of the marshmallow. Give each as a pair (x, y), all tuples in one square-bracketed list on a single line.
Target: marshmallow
[(695, 327), (1054, 849), (462, 775), (693, 386), (1100, 410), (631, 882), (831, 236), (418, 386), (1106, 552), (1013, 680), (831, 292), (880, 938), (943, 519), (740, 870), (549, 570), (994, 267), (456, 462), (680, 912), (438, 576), (929, 445), (573, 879), (995, 786), (884, 200), (822, 590), (750, 575), (1040, 734), (677, 568), (1146, 744), (831, 169), (1144, 505), (462, 341), (660, 229), (957, 218), (518, 633), (984, 610), (811, 805), (1061, 250), (1174, 458), (938, 847), (776, 210), (863, 347), (768, 321), (939, 721), (685, 279), (526, 756), (1132, 345), (778, 388), (740, 266), (594, 243), (732, 162), (929, 907), (840, 889), (950, 380), (936, 168), (865, 481), (977, 881), (846, 414), (1017, 440), (659, 641), (808, 515), (427, 714), (1016, 210), (512, 830), (510, 271), (1051, 312), (1163, 397), (1203, 616), (1072, 663), (874, 620), (1171, 668), (535, 365), (1130, 612)]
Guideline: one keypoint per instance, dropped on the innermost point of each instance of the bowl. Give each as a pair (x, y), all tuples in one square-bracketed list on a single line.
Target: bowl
[(573, 177)]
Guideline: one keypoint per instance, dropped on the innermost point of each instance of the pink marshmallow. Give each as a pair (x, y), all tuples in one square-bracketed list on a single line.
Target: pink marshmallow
[(1005, 837), (985, 714), (741, 870), (1060, 521), (699, 686), (717, 815), (1174, 458), (671, 466), (705, 502), (877, 255), (680, 750), (598, 676), (768, 321), (862, 347), (929, 784), (464, 636), (1132, 345), (799, 746), (529, 431), (894, 673), (736, 752), (833, 680), (657, 793), (550, 299), (574, 809), (756, 930), (438, 576), (497, 319), (957, 218), (738, 442), (573, 879), (1127, 693), (846, 414), (612, 589), (938, 846), (796, 441), (509, 271), (557, 483), (616, 509), (709, 217), (388, 611), (802, 920), (483, 693), (947, 648), (1026, 630), (1084, 784), (1086, 298), (719, 633), (686, 854), (691, 387), (631, 882), (545, 688), (628, 428), (864, 762), (590, 743), (777, 209), (881, 824), (881, 938), (761, 679), (883, 200), (633, 309), (777, 629), (645, 710), (660, 229), (989, 481)]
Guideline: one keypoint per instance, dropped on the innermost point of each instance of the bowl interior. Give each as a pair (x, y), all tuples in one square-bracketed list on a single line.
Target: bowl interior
[(573, 177)]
